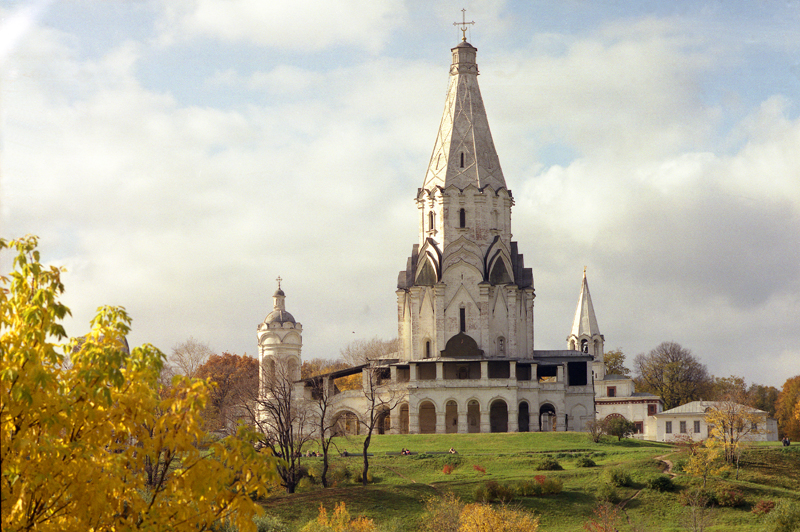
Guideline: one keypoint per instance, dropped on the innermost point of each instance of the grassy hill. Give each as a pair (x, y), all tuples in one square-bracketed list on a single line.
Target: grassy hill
[(401, 483)]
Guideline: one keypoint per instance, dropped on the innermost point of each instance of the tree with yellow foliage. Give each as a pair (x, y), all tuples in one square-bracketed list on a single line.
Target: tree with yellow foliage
[(706, 460), (76, 436)]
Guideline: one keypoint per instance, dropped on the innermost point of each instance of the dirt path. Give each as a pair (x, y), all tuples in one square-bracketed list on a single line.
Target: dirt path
[(668, 470)]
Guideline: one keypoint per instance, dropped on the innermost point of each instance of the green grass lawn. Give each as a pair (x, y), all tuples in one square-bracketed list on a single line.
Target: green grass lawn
[(395, 500)]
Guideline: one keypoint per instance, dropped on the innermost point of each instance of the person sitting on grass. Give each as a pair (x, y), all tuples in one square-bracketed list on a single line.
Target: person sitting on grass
[(452, 451)]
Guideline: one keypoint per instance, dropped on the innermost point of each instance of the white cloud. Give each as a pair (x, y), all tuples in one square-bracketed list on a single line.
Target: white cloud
[(304, 25), (186, 213)]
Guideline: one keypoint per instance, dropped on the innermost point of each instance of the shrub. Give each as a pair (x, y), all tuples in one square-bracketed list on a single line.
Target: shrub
[(447, 469), (548, 463), (269, 523), (493, 491), (697, 497), (784, 518), (607, 493), (661, 483), (617, 477), (480, 517), (730, 498), (338, 522), (442, 513), (585, 461), (479, 469), (679, 466), (358, 479), (763, 507), (529, 488), (605, 519), (339, 475)]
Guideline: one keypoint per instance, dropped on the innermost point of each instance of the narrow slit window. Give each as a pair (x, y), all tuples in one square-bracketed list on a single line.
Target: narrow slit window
[(431, 220), (463, 320), (428, 349), (462, 159), (462, 218)]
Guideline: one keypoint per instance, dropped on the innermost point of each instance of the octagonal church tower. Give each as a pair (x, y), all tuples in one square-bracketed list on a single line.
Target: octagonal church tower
[(465, 291), (280, 339)]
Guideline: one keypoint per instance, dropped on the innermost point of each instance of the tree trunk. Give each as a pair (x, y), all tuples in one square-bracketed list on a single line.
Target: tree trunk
[(324, 476), (366, 460)]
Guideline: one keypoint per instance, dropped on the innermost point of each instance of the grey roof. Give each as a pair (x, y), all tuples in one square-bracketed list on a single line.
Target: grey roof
[(700, 407), (615, 377), (279, 316)]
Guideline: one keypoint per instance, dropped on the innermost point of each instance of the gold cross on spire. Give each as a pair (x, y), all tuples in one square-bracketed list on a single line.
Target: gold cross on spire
[(463, 24), (279, 282)]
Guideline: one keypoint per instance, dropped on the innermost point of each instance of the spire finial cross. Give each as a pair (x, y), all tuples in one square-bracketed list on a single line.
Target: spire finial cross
[(279, 282), (463, 24)]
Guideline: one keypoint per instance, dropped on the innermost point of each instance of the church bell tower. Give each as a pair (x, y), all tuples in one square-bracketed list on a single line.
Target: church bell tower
[(465, 292)]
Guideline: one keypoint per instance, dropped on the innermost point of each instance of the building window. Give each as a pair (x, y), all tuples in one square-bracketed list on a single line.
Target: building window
[(462, 218), (754, 426), (611, 391), (639, 427), (431, 220), (501, 345), (584, 346), (697, 427), (462, 159), (462, 319), (428, 349), (668, 429), (683, 427), (651, 410)]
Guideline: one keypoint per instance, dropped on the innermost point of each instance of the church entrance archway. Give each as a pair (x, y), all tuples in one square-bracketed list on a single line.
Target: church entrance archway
[(404, 418), (427, 418), (346, 424), (451, 417), (547, 418), (524, 417), (473, 416), (498, 416)]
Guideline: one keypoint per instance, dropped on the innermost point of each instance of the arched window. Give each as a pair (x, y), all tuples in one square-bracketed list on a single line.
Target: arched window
[(462, 319), (584, 346), (501, 346), (428, 349), (431, 220), (462, 218)]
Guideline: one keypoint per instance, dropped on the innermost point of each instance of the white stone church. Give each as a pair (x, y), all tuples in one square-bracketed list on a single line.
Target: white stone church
[(467, 360)]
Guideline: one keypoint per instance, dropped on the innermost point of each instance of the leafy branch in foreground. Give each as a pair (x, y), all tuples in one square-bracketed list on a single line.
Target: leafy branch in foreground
[(77, 437)]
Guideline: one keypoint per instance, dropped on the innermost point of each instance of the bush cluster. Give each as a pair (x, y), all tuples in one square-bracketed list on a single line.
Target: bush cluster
[(548, 463), (661, 483), (269, 523), (763, 507), (585, 461), (607, 493), (540, 485), (784, 518), (447, 469), (617, 477), (730, 498), (493, 492)]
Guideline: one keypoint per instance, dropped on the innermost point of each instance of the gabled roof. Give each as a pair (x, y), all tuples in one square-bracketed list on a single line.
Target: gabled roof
[(585, 322), (700, 407), (464, 152)]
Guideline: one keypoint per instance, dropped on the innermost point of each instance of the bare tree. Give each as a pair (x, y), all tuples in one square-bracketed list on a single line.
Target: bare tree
[(282, 417), (382, 397), (322, 392), (187, 357), (360, 352), (673, 373)]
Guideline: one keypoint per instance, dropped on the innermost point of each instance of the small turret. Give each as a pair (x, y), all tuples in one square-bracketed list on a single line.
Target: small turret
[(280, 339), (585, 335)]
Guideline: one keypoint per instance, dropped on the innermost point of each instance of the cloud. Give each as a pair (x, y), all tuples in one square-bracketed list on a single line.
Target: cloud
[(687, 218), (302, 25)]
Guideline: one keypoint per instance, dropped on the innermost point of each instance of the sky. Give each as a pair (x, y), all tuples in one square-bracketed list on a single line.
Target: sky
[(177, 156)]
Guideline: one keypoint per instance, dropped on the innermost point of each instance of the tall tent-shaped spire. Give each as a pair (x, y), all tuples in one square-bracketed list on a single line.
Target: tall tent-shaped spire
[(585, 335), (464, 151)]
